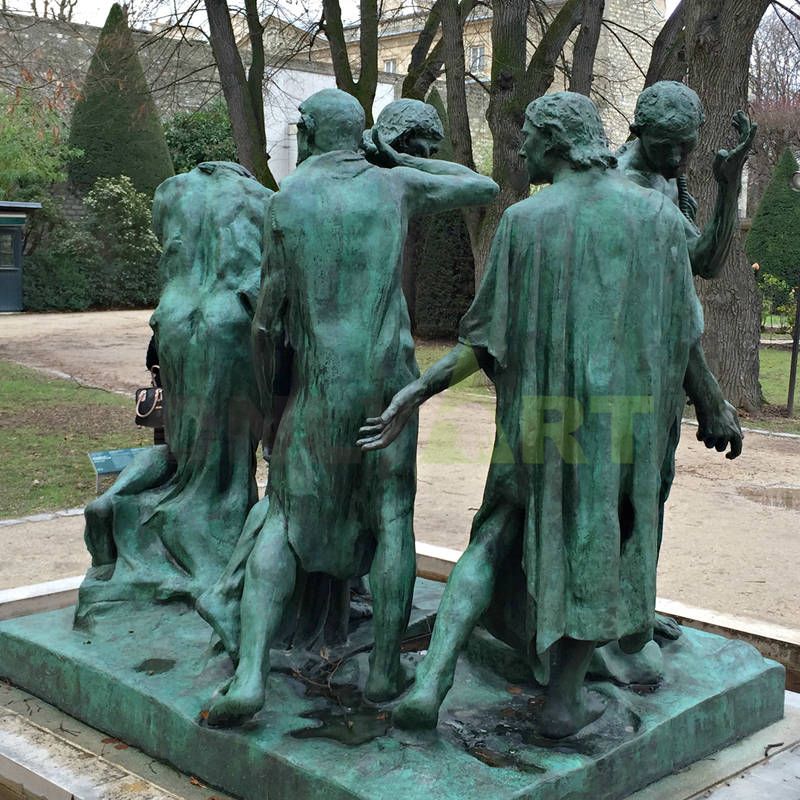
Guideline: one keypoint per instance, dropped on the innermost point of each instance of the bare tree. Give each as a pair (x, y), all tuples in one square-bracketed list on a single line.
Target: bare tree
[(583, 54), (243, 90), (54, 9), (237, 39), (516, 81)]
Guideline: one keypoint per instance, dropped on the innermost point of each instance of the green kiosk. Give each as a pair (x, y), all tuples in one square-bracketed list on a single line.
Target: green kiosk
[(12, 221)]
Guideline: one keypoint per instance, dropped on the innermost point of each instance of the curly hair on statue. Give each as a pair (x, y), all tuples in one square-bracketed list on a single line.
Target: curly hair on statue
[(404, 118), (575, 129), (668, 105)]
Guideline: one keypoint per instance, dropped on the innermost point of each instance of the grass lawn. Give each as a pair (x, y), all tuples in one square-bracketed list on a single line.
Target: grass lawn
[(429, 352), (47, 426), (774, 377)]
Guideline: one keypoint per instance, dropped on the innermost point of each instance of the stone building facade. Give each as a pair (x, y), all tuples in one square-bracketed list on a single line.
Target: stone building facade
[(52, 57)]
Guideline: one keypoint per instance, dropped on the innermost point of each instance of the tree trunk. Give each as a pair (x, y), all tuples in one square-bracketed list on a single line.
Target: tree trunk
[(457, 112), (365, 87), (515, 84), (426, 58), (583, 53), (668, 59), (718, 41), (255, 75), (247, 118), (368, 48)]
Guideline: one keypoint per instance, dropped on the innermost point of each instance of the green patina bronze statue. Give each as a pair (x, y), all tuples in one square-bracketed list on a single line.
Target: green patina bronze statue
[(167, 527), (588, 324), (324, 608), (666, 125), (667, 122), (408, 126), (331, 305)]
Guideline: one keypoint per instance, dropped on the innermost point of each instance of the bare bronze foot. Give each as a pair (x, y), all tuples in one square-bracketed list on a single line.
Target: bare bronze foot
[(382, 688), (645, 667), (419, 711), (243, 698), (666, 628), (558, 720)]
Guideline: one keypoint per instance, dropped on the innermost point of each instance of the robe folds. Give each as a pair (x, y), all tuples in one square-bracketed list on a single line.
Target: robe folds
[(588, 311), (168, 533)]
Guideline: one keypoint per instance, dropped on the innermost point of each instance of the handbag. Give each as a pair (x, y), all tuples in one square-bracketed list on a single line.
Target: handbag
[(150, 407)]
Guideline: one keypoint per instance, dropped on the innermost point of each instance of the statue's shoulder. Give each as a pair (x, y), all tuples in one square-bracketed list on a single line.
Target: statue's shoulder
[(652, 205), (539, 207), (173, 185)]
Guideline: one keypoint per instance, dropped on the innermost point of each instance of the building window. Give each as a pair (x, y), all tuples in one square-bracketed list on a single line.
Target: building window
[(477, 59), (7, 250), (390, 65)]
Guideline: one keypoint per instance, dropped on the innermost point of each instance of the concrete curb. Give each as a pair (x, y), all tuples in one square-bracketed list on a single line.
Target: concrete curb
[(44, 517)]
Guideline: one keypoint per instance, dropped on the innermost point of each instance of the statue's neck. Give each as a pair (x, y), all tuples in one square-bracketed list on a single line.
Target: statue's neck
[(636, 158)]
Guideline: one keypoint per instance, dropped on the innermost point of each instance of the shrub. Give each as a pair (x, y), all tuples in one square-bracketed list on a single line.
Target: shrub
[(110, 260), (197, 136), (120, 245), (445, 275), (52, 280), (115, 123), (33, 153), (775, 296)]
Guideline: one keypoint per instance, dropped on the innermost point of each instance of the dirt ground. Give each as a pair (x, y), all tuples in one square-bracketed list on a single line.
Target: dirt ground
[(732, 540)]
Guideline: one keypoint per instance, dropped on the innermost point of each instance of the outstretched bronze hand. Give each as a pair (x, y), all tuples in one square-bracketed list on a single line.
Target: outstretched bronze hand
[(728, 164), (721, 428), (380, 432)]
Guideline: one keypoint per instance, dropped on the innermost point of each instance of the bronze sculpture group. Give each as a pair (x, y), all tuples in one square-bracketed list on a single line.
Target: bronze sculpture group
[(586, 321)]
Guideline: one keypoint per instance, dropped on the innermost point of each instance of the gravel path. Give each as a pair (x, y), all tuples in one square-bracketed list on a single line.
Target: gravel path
[(732, 539)]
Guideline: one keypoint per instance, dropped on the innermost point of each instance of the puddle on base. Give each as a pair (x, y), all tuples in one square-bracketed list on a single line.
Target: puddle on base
[(155, 666)]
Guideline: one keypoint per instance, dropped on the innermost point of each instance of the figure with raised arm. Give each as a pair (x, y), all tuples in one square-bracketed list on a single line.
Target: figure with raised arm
[(667, 123), (585, 320), (332, 297)]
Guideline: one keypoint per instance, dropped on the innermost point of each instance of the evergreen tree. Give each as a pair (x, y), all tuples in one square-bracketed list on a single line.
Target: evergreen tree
[(774, 240), (115, 123)]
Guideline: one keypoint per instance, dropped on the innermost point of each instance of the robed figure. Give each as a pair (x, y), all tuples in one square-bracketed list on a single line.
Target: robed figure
[(585, 320), (168, 526)]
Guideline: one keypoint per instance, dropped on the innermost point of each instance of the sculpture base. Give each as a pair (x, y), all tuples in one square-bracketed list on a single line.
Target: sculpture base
[(145, 678)]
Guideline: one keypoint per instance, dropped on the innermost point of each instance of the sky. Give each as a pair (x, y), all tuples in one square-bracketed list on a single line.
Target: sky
[(95, 12)]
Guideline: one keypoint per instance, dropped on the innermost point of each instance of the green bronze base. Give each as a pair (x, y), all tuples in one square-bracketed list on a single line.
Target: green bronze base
[(145, 676)]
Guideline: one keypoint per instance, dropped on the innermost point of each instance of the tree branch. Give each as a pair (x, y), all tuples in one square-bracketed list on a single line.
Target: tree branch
[(788, 10), (332, 25), (626, 49), (541, 69)]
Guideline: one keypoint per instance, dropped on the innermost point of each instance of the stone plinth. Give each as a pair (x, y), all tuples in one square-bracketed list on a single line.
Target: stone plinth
[(145, 677)]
